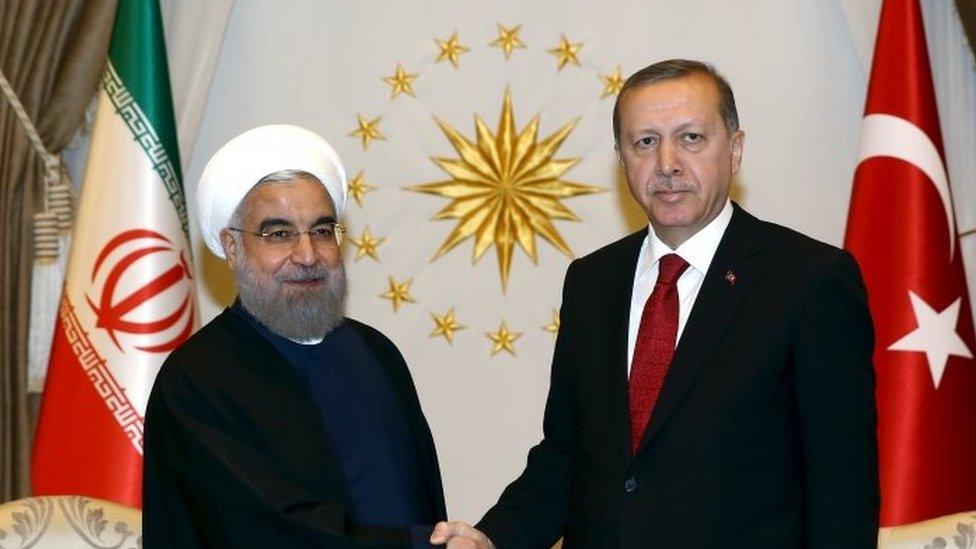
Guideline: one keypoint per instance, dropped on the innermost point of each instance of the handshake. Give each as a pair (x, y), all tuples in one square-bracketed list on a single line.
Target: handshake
[(459, 535)]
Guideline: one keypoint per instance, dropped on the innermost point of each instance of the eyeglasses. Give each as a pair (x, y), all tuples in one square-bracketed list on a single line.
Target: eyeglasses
[(327, 235)]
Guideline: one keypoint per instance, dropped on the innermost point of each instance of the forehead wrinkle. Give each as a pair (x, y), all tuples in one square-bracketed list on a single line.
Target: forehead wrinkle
[(277, 200), (689, 124)]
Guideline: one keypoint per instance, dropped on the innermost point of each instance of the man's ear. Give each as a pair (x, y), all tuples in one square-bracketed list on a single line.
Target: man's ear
[(232, 251), (738, 141)]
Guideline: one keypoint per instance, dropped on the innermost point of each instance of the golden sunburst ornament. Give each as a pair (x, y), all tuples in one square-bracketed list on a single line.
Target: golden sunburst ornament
[(505, 188)]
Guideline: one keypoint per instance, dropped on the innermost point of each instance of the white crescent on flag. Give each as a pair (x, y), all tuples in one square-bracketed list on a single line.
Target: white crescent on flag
[(887, 135)]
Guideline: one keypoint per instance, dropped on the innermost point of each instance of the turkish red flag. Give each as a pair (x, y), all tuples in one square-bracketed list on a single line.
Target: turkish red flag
[(901, 228)]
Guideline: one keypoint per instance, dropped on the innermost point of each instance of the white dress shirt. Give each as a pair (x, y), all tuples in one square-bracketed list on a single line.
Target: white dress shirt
[(698, 251)]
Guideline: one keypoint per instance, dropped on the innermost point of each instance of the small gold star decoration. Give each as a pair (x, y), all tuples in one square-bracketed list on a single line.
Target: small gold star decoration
[(450, 50), (508, 39), (553, 327), (401, 82), (366, 244), (566, 52), (503, 340), (367, 130), (612, 83), (505, 188), (358, 187), (445, 325), (398, 293)]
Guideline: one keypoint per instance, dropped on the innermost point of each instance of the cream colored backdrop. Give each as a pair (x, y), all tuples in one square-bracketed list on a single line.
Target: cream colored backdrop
[(800, 89), (798, 68)]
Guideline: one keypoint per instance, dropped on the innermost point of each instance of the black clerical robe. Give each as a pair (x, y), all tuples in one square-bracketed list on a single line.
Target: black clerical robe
[(236, 454)]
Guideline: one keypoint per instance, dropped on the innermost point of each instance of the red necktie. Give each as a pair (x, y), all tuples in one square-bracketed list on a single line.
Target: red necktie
[(654, 346)]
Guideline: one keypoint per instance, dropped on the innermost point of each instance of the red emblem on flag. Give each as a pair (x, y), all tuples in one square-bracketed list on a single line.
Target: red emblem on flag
[(112, 310)]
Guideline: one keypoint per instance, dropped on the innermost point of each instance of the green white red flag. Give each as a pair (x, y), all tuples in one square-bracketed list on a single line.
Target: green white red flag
[(128, 297)]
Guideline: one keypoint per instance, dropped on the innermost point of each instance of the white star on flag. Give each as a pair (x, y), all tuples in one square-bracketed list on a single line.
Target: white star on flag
[(935, 336)]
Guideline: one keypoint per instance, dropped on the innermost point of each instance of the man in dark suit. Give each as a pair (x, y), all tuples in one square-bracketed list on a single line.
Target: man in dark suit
[(712, 382)]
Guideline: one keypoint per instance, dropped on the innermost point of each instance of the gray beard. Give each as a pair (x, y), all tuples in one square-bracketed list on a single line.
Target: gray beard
[(299, 316)]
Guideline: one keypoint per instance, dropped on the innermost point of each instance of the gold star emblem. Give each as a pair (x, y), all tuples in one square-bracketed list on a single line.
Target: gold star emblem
[(445, 325), (553, 327), (505, 188), (358, 187), (398, 293), (367, 130), (611, 83), (566, 52), (401, 82), (366, 244), (503, 340), (450, 50), (508, 39)]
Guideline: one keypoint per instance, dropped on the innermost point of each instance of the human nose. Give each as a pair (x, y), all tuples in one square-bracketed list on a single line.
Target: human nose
[(303, 252), (668, 163)]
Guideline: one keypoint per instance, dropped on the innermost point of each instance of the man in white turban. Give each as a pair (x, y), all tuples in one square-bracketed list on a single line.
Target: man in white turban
[(281, 423)]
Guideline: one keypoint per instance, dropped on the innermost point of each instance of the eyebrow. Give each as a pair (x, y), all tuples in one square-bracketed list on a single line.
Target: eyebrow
[(684, 126), (272, 222), (278, 222)]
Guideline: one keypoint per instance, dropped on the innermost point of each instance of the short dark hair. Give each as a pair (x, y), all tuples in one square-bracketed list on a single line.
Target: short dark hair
[(680, 68)]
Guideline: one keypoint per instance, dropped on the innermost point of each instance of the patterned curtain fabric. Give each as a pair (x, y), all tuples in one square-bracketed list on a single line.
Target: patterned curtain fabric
[(52, 54), (967, 14)]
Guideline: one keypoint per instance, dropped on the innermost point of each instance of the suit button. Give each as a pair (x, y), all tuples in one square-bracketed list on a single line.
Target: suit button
[(630, 485)]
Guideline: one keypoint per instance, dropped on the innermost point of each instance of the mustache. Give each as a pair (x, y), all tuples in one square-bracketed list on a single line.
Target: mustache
[(303, 273), (298, 315), (668, 183)]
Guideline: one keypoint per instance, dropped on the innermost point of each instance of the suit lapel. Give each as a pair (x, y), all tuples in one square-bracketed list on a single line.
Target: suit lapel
[(618, 287), (716, 305)]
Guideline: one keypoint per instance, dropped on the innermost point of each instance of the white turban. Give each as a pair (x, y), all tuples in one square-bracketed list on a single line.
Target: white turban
[(244, 160)]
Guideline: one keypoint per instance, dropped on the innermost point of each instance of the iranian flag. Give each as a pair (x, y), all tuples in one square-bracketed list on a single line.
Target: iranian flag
[(902, 230), (128, 295)]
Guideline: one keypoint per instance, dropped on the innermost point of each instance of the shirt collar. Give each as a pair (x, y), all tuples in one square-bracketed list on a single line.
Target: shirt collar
[(698, 250)]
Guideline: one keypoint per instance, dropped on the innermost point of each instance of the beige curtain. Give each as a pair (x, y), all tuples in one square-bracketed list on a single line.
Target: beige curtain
[(967, 13), (52, 53)]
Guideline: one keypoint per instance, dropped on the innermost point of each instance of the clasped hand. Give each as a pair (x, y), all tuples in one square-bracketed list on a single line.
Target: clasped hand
[(460, 535)]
